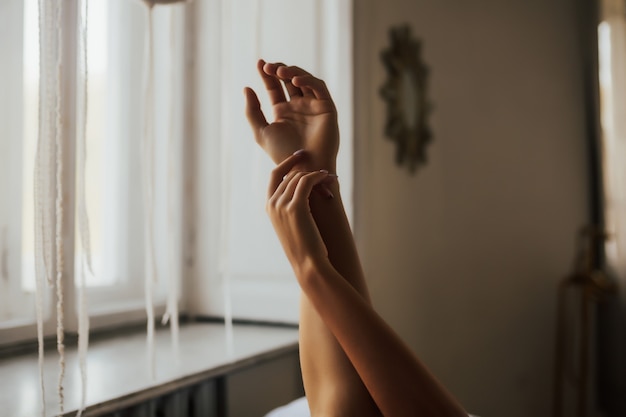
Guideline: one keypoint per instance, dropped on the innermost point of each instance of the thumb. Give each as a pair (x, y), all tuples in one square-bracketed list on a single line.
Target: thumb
[(254, 114)]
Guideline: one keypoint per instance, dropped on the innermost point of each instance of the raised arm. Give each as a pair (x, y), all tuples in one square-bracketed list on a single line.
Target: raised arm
[(306, 120), (397, 381)]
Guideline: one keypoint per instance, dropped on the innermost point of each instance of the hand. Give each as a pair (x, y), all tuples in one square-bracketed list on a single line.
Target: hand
[(308, 120), (288, 209)]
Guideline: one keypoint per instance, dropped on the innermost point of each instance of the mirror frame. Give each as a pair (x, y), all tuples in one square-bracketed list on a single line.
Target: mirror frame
[(402, 57)]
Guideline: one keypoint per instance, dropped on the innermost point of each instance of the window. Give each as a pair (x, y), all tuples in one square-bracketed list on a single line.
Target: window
[(116, 42), (210, 228), (612, 67)]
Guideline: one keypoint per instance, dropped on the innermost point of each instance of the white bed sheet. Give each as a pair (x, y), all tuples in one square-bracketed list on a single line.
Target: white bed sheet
[(297, 408)]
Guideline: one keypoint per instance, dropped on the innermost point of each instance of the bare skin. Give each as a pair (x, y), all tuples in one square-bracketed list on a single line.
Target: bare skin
[(308, 121), (353, 364)]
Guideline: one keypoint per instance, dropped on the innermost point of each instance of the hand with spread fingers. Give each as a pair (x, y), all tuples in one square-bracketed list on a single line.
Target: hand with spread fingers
[(307, 119)]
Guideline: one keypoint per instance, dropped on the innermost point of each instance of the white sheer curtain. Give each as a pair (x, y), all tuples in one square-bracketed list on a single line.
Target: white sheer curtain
[(61, 195), (612, 43)]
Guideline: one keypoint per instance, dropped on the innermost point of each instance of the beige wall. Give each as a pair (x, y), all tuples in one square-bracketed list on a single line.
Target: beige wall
[(463, 259)]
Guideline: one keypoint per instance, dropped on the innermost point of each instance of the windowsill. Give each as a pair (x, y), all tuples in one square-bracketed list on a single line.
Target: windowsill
[(118, 372)]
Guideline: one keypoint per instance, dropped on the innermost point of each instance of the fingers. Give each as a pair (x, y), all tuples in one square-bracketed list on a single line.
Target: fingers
[(305, 185), (271, 69), (292, 89), (298, 82), (284, 190), (284, 71), (281, 170), (285, 194), (272, 83), (307, 92), (304, 80), (317, 86), (254, 114), (295, 189)]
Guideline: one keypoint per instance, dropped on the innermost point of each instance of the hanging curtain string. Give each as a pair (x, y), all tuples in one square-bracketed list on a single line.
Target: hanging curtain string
[(258, 157), (148, 182), (60, 259), (225, 252), (40, 267), (171, 313), (85, 265), (81, 140), (258, 27), (47, 78), (148, 159), (48, 164), (226, 203)]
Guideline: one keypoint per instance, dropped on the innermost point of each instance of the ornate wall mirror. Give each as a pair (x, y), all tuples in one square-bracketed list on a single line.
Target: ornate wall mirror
[(405, 94)]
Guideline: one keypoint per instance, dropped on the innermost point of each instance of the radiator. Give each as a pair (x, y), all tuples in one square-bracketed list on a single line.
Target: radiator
[(205, 399)]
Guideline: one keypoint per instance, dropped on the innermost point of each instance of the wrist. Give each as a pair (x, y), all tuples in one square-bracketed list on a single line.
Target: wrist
[(310, 164)]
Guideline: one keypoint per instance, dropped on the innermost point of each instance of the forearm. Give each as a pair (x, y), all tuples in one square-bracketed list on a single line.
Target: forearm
[(332, 222), (331, 383), (397, 381)]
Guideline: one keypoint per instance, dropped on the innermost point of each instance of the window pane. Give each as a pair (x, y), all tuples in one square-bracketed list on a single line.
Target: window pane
[(112, 186), (253, 246), (114, 177), (98, 151), (16, 83)]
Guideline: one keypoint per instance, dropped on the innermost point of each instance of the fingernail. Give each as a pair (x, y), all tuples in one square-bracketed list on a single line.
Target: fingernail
[(323, 171), (299, 152), (333, 175)]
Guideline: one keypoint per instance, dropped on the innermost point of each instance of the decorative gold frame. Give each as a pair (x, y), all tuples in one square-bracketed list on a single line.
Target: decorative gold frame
[(405, 94)]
